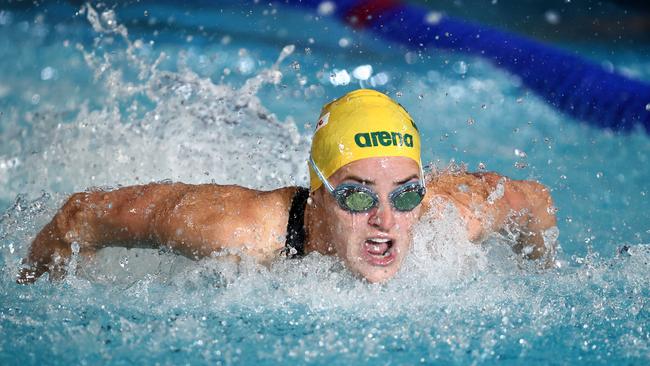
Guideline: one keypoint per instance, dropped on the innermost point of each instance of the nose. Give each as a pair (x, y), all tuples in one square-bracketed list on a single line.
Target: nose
[(382, 217)]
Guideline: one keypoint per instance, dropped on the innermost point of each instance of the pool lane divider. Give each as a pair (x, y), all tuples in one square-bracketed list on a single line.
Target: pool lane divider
[(572, 84)]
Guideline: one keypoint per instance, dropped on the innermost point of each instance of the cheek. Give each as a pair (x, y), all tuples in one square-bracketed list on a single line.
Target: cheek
[(406, 221)]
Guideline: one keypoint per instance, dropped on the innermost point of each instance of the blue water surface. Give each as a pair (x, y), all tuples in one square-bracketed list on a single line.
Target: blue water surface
[(228, 93)]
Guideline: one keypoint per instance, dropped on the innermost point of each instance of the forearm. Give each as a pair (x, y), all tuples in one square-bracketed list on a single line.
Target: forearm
[(124, 217), (93, 220), (529, 215)]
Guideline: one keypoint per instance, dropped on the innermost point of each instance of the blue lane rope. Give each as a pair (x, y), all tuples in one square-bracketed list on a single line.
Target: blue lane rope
[(571, 84)]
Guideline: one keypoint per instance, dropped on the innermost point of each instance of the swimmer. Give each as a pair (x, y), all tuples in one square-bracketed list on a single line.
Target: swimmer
[(367, 191)]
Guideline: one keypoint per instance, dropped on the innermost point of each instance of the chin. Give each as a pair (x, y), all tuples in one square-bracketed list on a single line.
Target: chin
[(378, 275)]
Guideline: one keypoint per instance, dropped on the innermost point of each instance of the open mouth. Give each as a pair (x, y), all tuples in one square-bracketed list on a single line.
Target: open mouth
[(379, 251)]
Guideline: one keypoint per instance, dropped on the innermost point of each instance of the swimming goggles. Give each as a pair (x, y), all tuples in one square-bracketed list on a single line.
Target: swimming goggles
[(358, 198)]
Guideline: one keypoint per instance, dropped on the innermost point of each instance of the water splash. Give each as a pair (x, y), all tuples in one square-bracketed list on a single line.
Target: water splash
[(453, 302)]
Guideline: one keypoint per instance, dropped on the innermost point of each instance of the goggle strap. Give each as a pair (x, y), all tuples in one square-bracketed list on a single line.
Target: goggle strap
[(320, 175), (422, 175)]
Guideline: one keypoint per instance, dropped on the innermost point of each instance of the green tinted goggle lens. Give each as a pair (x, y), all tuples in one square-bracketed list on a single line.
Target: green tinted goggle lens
[(359, 201), (406, 201), (358, 198)]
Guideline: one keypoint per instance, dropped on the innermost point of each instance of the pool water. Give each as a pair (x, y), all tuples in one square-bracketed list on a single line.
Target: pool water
[(98, 96)]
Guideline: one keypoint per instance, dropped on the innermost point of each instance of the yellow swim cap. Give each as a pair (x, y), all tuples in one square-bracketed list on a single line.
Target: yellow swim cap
[(362, 124)]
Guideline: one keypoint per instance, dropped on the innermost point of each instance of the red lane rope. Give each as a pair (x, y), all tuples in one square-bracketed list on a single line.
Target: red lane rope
[(363, 13)]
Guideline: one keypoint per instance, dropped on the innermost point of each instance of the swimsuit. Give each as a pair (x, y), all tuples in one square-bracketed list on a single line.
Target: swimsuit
[(296, 236)]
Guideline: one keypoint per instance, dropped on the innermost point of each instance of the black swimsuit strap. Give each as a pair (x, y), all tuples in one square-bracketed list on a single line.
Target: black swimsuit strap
[(296, 236)]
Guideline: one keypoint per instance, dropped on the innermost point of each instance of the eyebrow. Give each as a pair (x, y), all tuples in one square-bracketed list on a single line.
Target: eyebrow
[(359, 179), (372, 183), (414, 176)]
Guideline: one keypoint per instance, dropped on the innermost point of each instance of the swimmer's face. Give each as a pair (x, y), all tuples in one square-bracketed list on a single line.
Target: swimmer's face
[(372, 244)]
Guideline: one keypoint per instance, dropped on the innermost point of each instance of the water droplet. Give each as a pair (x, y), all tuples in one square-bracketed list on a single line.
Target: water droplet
[(552, 17), (326, 8), (362, 72), (470, 121), (379, 79), (339, 77), (433, 17), (47, 73), (411, 58), (647, 107), (460, 67), (481, 166), (599, 175), (344, 42), (398, 94), (295, 65)]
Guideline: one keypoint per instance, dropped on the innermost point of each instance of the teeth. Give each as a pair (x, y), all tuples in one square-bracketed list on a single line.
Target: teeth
[(379, 240)]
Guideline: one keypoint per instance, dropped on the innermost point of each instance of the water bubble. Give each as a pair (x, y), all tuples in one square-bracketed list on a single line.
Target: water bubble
[(339, 77), (552, 17), (362, 72), (295, 65), (36, 99), (647, 107), (225, 40), (460, 67), (326, 8), (344, 42)]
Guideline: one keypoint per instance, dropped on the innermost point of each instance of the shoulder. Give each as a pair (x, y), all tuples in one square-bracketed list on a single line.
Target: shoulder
[(234, 201), (463, 187)]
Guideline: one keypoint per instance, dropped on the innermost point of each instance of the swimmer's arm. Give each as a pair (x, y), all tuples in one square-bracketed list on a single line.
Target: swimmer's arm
[(524, 208), (527, 209), (137, 216)]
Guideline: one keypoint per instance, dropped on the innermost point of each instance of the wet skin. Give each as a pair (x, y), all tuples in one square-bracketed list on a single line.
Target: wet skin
[(199, 220)]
